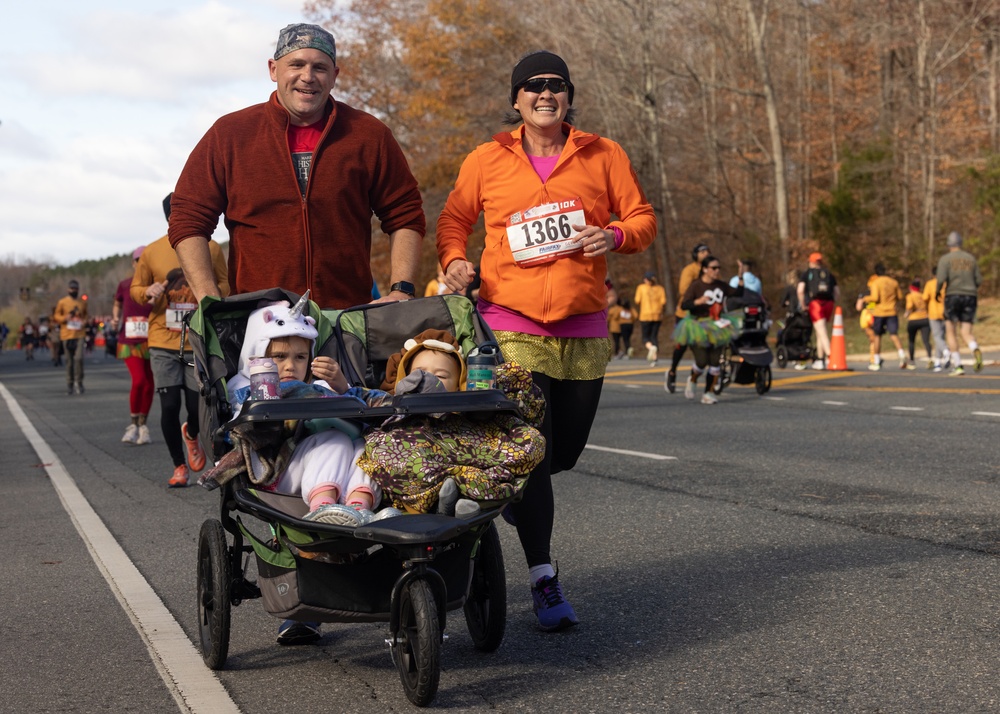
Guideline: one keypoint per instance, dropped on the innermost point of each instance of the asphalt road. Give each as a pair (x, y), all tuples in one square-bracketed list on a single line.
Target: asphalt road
[(830, 547)]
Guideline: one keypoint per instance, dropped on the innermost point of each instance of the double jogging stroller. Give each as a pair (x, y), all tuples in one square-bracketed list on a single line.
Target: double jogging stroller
[(408, 570), (747, 358), (795, 339)]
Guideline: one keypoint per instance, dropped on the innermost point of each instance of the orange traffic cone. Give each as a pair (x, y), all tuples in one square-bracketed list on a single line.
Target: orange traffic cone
[(838, 349)]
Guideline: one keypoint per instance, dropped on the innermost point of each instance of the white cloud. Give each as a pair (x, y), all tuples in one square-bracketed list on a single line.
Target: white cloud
[(97, 124), (158, 56)]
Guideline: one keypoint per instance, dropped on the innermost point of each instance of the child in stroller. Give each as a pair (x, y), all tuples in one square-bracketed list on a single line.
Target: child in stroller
[(405, 570), (323, 465)]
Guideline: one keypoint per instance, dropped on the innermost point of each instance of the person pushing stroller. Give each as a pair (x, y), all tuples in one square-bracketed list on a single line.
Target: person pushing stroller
[(701, 329)]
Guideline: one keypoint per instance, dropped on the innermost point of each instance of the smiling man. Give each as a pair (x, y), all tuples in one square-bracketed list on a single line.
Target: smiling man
[(298, 179)]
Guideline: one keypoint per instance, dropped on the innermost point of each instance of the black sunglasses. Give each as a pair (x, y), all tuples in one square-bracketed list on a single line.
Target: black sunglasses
[(539, 85), (714, 267)]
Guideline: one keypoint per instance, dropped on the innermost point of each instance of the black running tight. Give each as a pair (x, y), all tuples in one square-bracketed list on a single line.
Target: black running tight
[(569, 413), (170, 419)]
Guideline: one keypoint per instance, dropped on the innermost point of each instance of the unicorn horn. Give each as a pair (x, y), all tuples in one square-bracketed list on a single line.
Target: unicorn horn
[(296, 312)]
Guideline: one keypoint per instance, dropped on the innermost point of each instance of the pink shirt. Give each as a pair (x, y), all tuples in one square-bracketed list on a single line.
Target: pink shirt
[(500, 318)]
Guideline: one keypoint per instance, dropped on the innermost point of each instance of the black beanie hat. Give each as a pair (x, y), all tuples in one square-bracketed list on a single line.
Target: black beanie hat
[(535, 63)]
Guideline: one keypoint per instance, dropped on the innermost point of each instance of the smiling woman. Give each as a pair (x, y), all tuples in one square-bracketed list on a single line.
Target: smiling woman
[(547, 192)]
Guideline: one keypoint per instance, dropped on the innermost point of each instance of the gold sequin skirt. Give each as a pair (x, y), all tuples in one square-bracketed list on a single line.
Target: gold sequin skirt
[(569, 358)]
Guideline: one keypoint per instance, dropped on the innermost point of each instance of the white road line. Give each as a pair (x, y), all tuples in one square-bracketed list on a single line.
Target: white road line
[(908, 409), (626, 452), (634, 386), (835, 404), (194, 687), (994, 414), (775, 399)]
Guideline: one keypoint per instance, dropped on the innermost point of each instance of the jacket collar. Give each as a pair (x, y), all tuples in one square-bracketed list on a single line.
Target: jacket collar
[(281, 116), (576, 138)]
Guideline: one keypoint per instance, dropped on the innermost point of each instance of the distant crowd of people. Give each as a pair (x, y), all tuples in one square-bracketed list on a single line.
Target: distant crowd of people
[(939, 311)]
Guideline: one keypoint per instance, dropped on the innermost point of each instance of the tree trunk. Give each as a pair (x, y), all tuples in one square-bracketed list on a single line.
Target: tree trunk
[(661, 244), (757, 30)]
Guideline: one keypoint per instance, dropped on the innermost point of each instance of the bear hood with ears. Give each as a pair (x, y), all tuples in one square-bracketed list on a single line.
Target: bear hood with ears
[(398, 365)]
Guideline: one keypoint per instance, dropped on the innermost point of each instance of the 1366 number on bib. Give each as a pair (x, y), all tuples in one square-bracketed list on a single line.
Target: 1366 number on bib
[(545, 233)]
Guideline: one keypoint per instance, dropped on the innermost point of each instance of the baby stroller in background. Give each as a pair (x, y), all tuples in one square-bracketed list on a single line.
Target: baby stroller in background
[(406, 570), (794, 339), (747, 358)]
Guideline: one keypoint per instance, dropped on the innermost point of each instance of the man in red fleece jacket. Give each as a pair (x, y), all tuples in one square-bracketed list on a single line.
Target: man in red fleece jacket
[(298, 179)]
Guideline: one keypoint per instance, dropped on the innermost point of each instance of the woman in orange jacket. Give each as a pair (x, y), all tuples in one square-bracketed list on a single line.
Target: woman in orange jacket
[(547, 192)]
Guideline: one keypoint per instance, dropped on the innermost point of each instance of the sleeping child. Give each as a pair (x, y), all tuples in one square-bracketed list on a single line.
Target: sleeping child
[(452, 463)]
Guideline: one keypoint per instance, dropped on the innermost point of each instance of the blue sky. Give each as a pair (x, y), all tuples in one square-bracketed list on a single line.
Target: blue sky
[(101, 103)]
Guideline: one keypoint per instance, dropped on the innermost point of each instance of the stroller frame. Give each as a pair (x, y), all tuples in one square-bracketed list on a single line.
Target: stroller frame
[(746, 358), (407, 570)]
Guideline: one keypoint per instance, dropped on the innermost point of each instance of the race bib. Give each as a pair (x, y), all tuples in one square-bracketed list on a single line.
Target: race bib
[(545, 233), (626, 315), (136, 328), (175, 314), (74, 323)]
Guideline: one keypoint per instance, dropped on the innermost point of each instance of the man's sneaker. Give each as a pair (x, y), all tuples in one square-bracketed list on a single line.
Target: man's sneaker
[(689, 389), (629, 352), (977, 355), (196, 457), (874, 366), (180, 477), (78, 389), (670, 381), (818, 364), (131, 434), (653, 354), (903, 364), (291, 632), (337, 514), (958, 371), (709, 398), (938, 368), (910, 366), (551, 608), (143, 437), (800, 366)]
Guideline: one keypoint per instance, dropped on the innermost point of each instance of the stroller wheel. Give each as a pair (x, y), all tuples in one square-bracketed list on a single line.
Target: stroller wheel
[(486, 606), (782, 356), (214, 580), (725, 375), (417, 651), (762, 379)]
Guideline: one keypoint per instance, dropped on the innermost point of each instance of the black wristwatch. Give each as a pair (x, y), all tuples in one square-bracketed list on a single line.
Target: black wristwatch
[(403, 287)]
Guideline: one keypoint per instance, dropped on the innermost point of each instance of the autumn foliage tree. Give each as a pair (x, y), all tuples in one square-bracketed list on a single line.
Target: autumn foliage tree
[(766, 128)]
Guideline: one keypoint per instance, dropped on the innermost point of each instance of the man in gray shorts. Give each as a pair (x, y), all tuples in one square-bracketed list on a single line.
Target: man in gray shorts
[(959, 276)]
